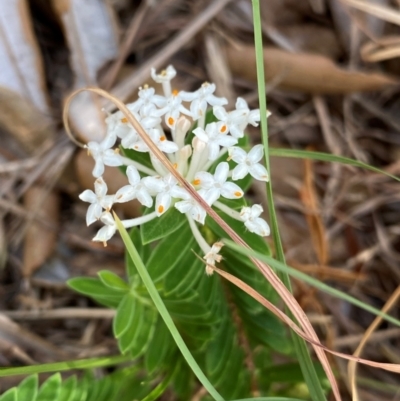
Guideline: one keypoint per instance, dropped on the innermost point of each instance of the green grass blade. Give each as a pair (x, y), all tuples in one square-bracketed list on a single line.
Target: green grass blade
[(275, 264), (155, 296), (326, 157), (310, 375), (67, 365)]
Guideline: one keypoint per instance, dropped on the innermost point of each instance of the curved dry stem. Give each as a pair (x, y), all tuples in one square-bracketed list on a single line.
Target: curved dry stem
[(352, 368), (274, 280), (284, 318)]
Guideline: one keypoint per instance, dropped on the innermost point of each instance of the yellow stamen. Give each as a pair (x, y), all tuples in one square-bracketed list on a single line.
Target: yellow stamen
[(223, 128), (175, 92), (160, 209), (238, 194), (163, 73), (196, 181), (171, 121), (175, 165), (162, 138), (105, 244), (124, 120)]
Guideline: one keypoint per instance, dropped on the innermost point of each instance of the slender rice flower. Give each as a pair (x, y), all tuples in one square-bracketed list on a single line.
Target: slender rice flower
[(248, 163), (195, 152), (98, 200), (254, 223)]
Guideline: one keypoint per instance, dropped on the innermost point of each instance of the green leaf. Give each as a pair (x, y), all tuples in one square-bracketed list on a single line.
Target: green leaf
[(161, 345), (144, 333), (94, 288), (111, 280), (124, 315), (126, 340), (162, 226), (28, 388), (326, 157), (67, 392), (140, 157), (90, 363), (168, 253), (10, 395), (50, 389)]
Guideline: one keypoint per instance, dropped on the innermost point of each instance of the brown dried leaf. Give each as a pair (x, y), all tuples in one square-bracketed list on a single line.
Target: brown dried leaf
[(40, 239), (308, 196), (304, 72), (19, 117)]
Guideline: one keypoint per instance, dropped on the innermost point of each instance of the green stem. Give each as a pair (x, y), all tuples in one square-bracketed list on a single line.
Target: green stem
[(310, 375)]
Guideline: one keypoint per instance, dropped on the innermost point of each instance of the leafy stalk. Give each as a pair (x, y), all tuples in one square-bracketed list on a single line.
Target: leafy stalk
[(158, 302)]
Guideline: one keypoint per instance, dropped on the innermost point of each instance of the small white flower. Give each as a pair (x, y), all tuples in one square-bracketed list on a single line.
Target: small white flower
[(216, 185), (234, 122), (99, 200), (103, 155), (253, 116), (248, 163), (147, 102), (135, 189), (212, 137), (109, 229), (164, 78), (213, 257), (172, 110), (189, 205), (254, 223), (201, 98), (163, 188)]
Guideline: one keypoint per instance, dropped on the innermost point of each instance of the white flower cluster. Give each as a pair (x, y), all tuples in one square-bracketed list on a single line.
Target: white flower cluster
[(210, 143)]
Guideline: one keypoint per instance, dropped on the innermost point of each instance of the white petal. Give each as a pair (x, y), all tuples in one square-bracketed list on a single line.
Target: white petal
[(201, 134), (184, 206), (163, 202), (105, 233), (236, 131), (125, 194), (133, 175), (107, 202), (256, 211), (213, 151), (154, 184), (112, 159), (188, 96), (180, 193), (216, 101), (108, 142), (212, 195), (259, 172), (239, 172), (241, 104), (93, 213), (206, 179), (256, 154), (168, 146), (98, 169), (231, 191), (144, 197), (221, 172), (100, 187), (88, 196), (238, 155), (198, 214), (107, 219), (220, 113), (226, 140)]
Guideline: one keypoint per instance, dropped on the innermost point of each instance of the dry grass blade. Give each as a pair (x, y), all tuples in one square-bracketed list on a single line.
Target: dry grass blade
[(353, 365), (282, 316), (385, 49), (385, 13), (274, 280)]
